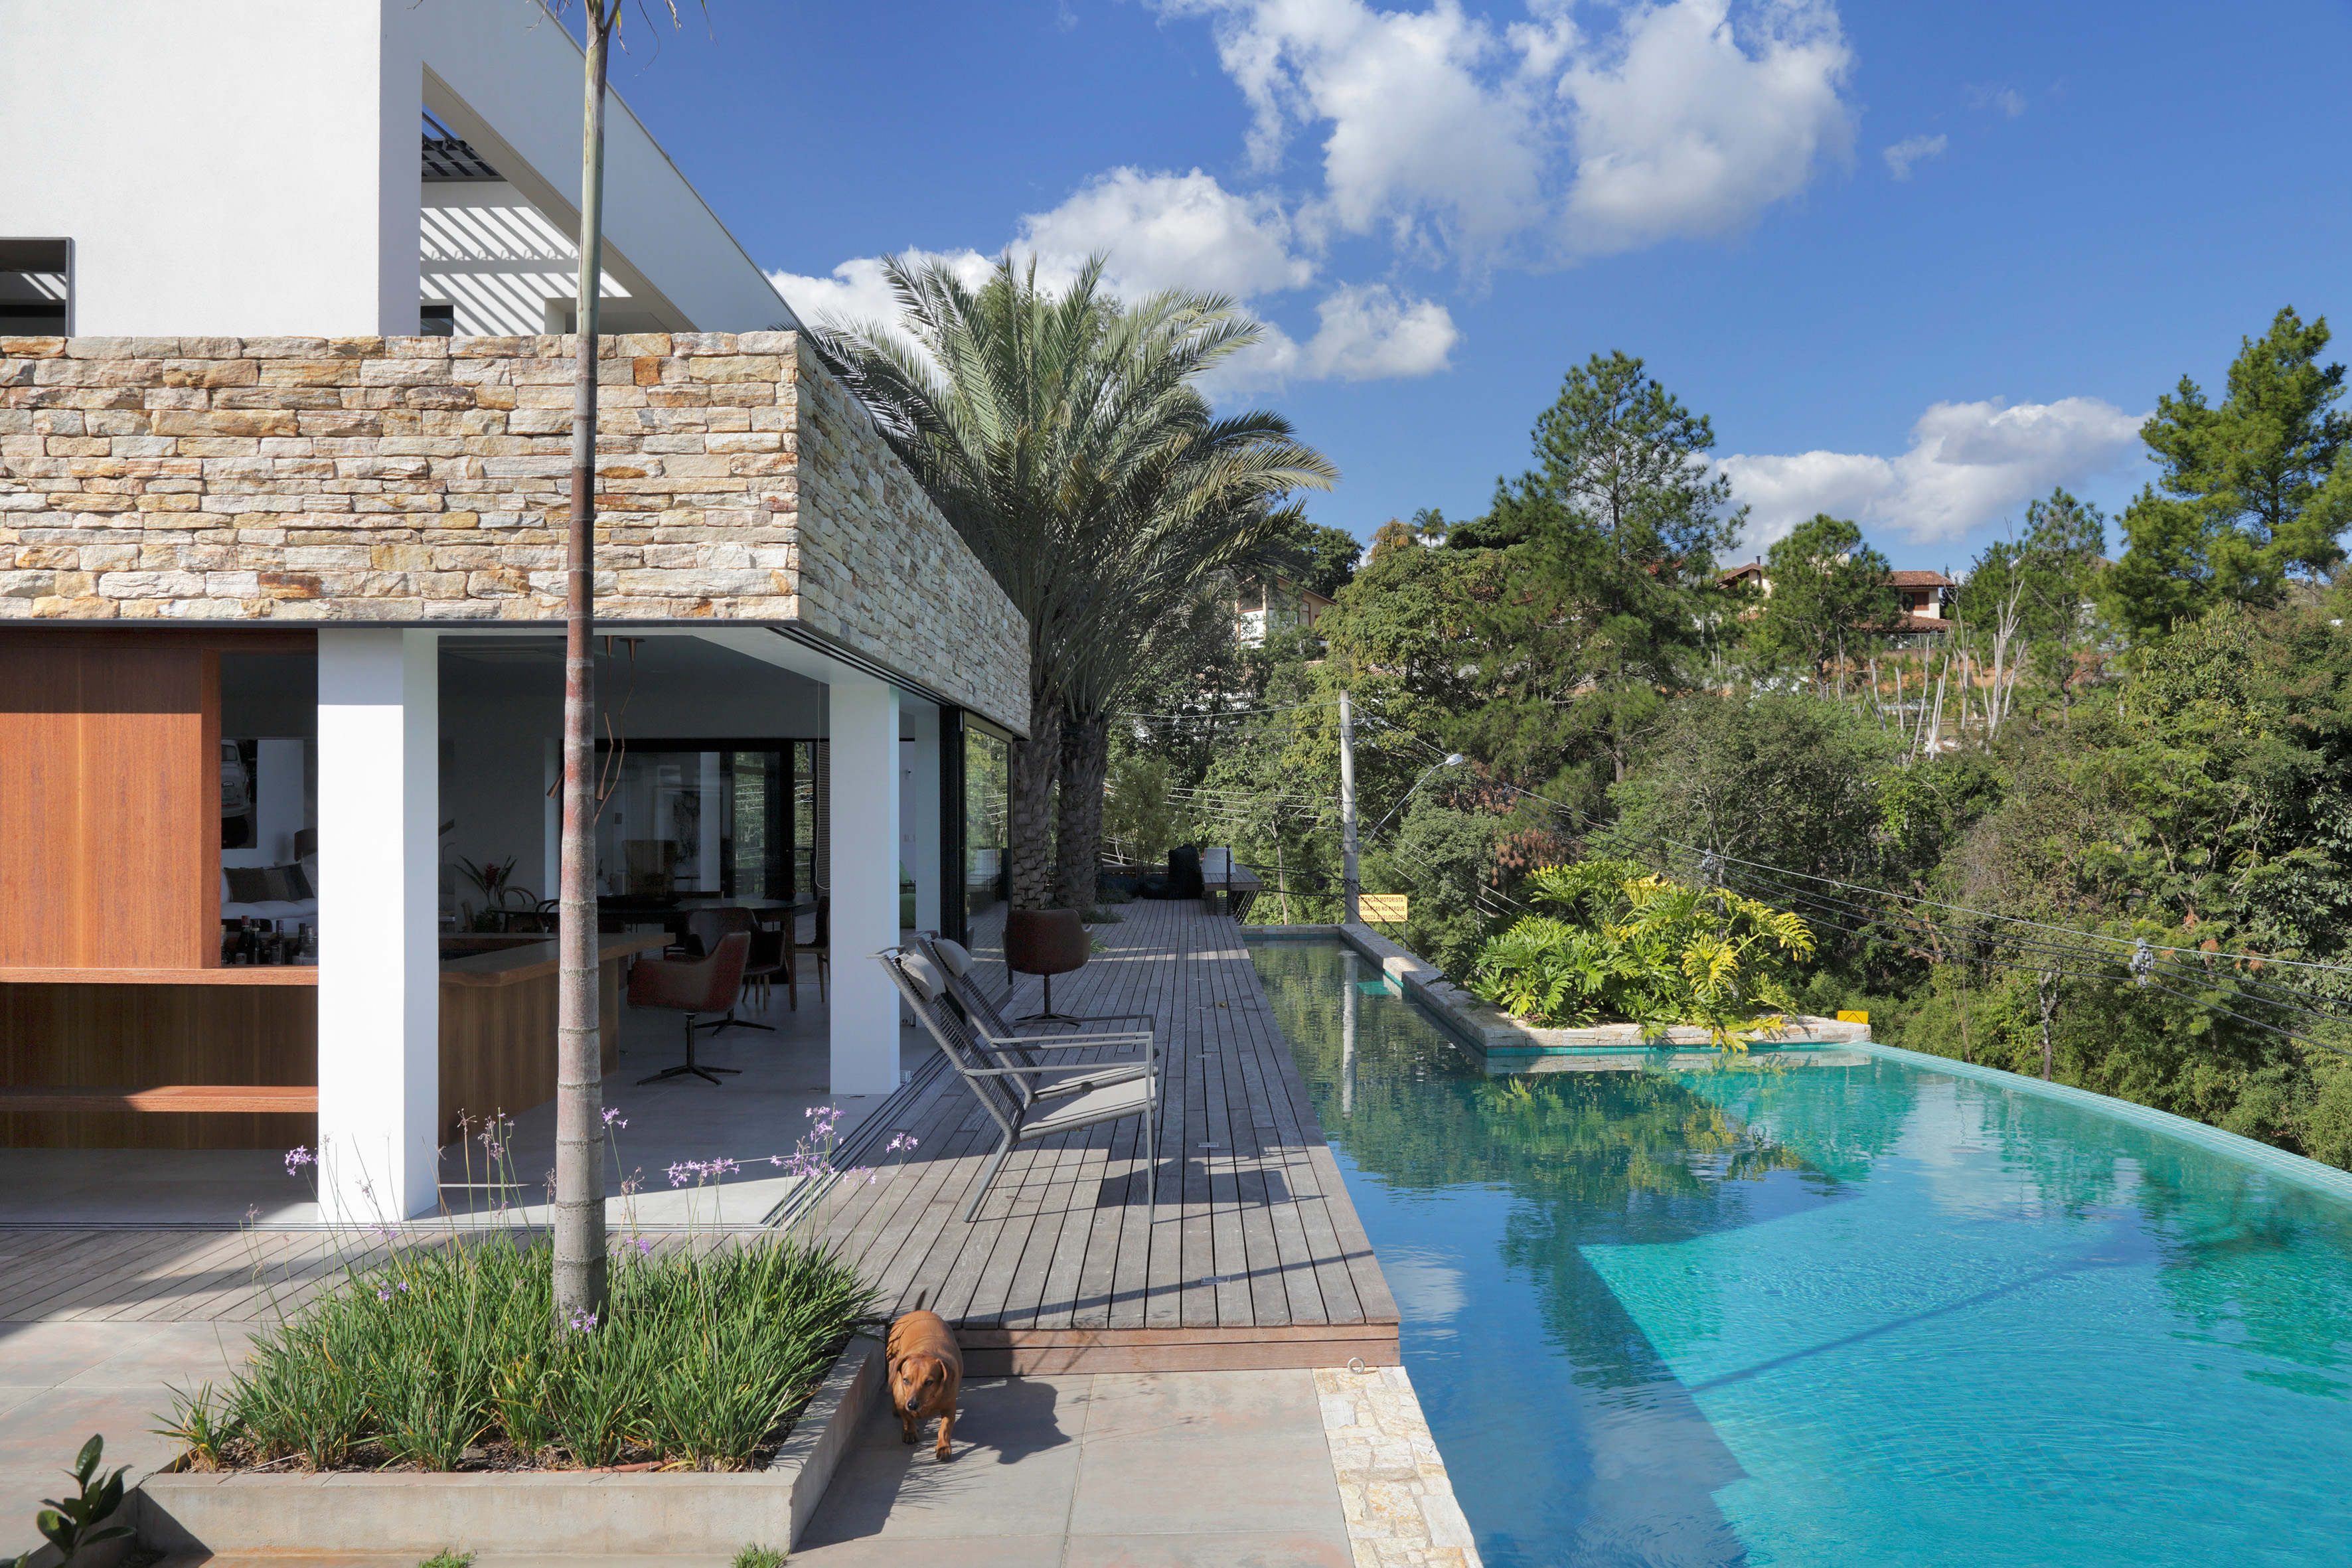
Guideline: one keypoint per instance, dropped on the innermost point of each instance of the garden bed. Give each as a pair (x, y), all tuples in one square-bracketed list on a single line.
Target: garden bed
[(446, 1358), (570, 1512)]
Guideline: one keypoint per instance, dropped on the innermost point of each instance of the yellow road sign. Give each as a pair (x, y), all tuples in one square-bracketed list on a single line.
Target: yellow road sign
[(1389, 909)]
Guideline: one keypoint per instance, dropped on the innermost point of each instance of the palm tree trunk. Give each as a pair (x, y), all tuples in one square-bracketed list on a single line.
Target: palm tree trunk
[(579, 1264), (1029, 877), (1085, 762)]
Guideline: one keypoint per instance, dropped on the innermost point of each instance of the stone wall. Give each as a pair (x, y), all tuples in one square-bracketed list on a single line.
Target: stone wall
[(425, 480)]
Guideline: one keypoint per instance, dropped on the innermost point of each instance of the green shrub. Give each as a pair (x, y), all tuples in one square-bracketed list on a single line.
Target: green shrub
[(1630, 948), (758, 1556), (452, 1346)]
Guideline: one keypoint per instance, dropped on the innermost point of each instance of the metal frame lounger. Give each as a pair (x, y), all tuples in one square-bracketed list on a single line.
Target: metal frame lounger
[(965, 994), (1012, 1095)]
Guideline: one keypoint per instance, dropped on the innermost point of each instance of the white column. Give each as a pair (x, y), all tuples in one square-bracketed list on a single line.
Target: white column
[(918, 806), (379, 951), (864, 732)]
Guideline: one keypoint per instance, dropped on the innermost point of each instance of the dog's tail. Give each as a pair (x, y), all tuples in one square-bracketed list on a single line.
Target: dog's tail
[(920, 1295)]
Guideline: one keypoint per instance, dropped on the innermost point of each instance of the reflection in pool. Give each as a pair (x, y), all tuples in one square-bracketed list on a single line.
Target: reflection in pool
[(1875, 1315)]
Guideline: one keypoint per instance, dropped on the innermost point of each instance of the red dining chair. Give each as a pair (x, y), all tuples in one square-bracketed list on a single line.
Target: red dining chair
[(692, 986)]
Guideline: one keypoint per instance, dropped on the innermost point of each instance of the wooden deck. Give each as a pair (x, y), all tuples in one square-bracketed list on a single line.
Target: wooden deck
[(1253, 1256)]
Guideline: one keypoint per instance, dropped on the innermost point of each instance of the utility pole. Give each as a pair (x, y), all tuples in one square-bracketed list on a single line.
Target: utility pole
[(1348, 884)]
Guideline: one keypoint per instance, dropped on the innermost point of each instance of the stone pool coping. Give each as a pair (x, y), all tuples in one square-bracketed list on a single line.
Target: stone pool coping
[(1497, 1034), (564, 1512)]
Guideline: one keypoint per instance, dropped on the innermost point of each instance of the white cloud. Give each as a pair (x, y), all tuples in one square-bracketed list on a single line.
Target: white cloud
[(1540, 142), (1912, 149), (1368, 333), (2008, 100), (1968, 464), (1696, 125), (857, 292), (1163, 231)]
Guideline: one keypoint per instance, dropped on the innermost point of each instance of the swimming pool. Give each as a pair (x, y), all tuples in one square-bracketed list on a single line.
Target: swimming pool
[(1872, 1316)]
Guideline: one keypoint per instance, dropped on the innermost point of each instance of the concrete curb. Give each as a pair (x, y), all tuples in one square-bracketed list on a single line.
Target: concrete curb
[(562, 1512)]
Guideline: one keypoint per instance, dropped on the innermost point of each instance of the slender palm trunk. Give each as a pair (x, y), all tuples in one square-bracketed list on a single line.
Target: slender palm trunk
[(1085, 764), (580, 1261), (1035, 761)]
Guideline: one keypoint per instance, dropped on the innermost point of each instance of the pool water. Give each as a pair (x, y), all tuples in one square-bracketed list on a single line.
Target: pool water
[(1877, 1315)]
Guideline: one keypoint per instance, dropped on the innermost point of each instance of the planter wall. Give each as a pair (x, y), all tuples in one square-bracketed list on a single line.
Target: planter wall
[(557, 1512)]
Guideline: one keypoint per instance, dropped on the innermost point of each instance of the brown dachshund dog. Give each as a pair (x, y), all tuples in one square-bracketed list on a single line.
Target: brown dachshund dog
[(925, 1370)]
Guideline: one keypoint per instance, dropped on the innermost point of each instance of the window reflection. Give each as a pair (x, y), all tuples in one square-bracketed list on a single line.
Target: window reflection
[(723, 822)]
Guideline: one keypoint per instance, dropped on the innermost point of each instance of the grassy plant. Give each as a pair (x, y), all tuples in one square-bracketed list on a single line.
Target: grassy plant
[(450, 1346), (445, 1558), (758, 1556)]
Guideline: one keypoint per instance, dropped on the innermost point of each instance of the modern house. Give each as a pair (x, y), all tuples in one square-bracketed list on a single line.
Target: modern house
[(283, 469)]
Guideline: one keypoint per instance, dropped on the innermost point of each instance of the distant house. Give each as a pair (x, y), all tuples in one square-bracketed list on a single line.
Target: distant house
[(1924, 596), (1926, 600), (1275, 604)]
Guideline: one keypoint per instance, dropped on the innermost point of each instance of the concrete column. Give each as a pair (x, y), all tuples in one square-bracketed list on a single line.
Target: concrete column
[(379, 951), (864, 732), (919, 810)]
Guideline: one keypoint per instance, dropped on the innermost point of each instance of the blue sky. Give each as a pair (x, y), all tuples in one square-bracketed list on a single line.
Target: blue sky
[(1918, 263)]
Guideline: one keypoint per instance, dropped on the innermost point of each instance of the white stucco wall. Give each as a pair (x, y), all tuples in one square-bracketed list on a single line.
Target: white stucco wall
[(250, 167)]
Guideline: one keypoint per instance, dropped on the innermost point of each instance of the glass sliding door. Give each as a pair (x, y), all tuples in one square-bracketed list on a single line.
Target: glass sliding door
[(977, 789), (702, 818)]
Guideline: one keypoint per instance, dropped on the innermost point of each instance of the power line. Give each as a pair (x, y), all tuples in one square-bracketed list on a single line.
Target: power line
[(2015, 920)]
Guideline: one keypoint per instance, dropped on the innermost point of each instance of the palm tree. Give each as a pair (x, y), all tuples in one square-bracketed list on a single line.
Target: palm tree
[(1064, 440), (579, 1264)]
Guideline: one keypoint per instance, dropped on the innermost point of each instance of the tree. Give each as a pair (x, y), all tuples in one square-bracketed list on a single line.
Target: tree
[(1609, 545), (2254, 493), (1830, 591), (1318, 558), (1062, 437), (2030, 596), (1788, 782), (580, 1262)]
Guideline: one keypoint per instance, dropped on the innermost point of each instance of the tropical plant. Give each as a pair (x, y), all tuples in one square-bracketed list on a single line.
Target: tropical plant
[(1627, 947), (78, 1522), (1062, 436)]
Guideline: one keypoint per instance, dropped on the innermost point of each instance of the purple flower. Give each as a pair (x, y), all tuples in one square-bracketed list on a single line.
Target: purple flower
[(384, 1295), (644, 1246), (298, 1157), (614, 1117), (584, 1322)]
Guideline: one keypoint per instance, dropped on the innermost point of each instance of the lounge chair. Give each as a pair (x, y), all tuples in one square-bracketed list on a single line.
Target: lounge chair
[(964, 994), (1012, 1094)]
